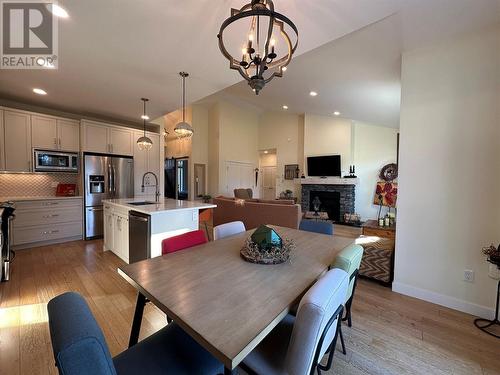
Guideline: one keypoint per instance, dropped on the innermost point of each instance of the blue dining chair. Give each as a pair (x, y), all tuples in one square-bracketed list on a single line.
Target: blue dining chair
[(80, 348), (297, 344), (322, 227)]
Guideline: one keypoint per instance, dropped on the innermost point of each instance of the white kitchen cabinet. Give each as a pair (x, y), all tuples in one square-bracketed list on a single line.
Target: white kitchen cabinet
[(44, 132), (108, 228), (107, 139), (17, 141), (41, 222), (116, 231), (146, 161), (95, 137), (121, 141), (51, 133), (68, 134), (2, 147)]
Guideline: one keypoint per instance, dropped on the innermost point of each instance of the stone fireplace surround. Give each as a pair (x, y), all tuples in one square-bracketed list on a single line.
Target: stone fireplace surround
[(346, 200)]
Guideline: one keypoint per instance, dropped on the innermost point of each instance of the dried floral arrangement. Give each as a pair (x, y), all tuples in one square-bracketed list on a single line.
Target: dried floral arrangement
[(493, 254), (274, 255)]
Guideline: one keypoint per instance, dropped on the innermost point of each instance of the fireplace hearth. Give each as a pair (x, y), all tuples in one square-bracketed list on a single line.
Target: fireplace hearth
[(336, 200)]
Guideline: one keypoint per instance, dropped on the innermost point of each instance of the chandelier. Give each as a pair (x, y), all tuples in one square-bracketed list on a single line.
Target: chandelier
[(144, 142), (183, 129), (267, 36)]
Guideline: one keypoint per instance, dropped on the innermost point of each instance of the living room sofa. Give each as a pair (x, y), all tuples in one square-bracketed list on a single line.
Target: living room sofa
[(255, 212)]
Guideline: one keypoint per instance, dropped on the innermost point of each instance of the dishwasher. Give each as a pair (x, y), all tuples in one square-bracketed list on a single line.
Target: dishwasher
[(139, 236)]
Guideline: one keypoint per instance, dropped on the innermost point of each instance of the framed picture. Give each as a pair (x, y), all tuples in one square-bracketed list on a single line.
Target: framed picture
[(291, 171), (386, 194)]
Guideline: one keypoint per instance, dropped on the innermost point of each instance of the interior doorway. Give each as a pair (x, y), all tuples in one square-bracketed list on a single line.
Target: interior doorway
[(267, 164), (200, 171), (182, 174)]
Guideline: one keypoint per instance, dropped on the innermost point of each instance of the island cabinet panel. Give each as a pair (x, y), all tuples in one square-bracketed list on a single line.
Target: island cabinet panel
[(116, 231)]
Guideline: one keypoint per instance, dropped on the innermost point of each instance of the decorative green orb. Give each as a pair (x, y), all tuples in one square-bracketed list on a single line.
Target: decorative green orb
[(266, 238)]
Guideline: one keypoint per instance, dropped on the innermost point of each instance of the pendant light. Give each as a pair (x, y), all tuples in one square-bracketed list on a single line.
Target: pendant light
[(183, 129), (144, 143)]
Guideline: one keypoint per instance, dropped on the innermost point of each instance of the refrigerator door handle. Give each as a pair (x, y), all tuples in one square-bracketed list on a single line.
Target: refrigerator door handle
[(114, 179), (110, 183)]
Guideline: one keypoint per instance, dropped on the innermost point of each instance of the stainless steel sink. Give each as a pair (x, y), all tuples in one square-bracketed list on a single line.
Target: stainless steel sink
[(145, 203)]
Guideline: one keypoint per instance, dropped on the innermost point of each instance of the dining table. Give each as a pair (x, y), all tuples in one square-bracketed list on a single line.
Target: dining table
[(226, 304)]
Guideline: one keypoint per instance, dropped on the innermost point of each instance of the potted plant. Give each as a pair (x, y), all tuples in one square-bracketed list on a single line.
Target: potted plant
[(493, 254), (206, 198), (288, 194)]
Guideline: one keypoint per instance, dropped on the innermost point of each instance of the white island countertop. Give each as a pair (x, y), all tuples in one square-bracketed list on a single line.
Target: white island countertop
[(164, 205)]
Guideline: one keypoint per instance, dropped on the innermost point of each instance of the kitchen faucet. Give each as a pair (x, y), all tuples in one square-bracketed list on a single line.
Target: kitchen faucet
[(157, 186)]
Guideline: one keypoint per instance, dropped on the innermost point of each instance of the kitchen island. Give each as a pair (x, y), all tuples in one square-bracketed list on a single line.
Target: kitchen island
[(134, 228)]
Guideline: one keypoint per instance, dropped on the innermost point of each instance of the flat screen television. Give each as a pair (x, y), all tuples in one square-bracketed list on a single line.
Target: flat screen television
[(323, 166)]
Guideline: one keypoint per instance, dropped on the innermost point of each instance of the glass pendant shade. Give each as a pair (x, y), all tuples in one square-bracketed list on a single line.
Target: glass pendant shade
[(144, 143), (183, 129)]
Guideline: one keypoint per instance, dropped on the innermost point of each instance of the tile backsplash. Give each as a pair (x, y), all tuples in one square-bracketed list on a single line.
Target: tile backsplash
[(34, 184)]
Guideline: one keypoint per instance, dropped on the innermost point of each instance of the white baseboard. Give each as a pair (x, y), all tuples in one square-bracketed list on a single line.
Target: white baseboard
[(443, 300)]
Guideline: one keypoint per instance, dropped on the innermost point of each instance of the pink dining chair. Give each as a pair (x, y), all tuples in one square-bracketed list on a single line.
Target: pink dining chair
[(183, 241)]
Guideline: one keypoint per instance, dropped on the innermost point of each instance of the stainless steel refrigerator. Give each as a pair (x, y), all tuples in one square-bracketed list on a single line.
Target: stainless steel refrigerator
[(105, 177)]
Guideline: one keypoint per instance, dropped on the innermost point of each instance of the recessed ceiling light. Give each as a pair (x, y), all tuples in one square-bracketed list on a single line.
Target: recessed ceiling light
[(266, 152), (285, 107), (145, 117), (40, 91), (336, 113), (58, 11), (313, 93)]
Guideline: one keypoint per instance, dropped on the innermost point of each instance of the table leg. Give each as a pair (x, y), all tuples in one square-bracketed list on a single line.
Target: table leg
[(136, 323)]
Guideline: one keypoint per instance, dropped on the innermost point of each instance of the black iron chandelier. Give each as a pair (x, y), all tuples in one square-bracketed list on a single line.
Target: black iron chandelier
[(261, 61)]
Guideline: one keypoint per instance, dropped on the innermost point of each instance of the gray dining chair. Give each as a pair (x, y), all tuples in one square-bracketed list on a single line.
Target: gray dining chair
[(298, 344), (228, 229), (80, 348)]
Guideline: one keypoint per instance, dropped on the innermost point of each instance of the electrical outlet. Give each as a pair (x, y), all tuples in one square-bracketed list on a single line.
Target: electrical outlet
[(469, 276)]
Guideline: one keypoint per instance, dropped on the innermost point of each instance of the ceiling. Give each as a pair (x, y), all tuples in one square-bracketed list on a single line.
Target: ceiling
[(113, 52), (359, 74)]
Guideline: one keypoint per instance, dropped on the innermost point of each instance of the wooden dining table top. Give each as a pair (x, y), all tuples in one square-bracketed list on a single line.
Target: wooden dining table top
[(226, 304)]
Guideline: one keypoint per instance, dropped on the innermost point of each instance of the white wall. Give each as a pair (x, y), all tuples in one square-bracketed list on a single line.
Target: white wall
[(449, 203), (325, 135), (374, 147), (284, 133), (235, 140)]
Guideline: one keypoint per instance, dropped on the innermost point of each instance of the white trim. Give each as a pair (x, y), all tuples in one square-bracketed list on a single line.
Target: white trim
[(443, 300)]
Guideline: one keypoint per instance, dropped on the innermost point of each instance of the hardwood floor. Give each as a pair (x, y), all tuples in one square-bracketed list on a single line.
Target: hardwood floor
[(392, 334)]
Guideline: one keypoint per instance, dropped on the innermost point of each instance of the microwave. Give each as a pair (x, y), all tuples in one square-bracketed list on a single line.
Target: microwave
[(54, 161)]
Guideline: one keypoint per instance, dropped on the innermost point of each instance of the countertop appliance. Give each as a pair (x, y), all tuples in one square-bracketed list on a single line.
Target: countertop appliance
[(7, 255), (139, 238), (104, 177), (55, 161)]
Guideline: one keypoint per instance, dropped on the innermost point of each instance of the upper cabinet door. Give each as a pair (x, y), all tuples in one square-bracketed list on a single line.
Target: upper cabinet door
[(2, 143), (95, 138), (44, 133), (68, 134), (121, 141), (17, 133)]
